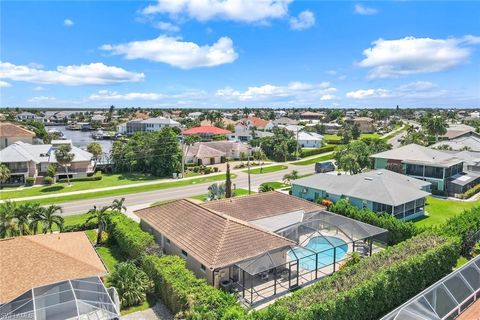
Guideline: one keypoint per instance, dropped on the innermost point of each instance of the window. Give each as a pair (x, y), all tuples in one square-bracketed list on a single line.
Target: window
[(184, 254), (204, 269)]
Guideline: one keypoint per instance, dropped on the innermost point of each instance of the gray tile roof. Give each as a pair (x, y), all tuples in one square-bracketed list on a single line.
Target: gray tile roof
[(23, 152), (382, 186), (472, 142), (413, 153)]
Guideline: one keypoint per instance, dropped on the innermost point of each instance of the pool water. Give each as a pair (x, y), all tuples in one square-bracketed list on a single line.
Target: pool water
[(324, 247)]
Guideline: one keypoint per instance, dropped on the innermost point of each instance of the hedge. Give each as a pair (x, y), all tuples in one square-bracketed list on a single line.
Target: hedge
[(81, 227), (92, 178), (186, 295), (465, 226), (374, 286), (128, 235), (311, 152), (398, 230)]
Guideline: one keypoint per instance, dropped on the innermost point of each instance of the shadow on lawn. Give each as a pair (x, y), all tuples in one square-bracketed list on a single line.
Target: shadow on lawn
[(137, 177), (52, 189)]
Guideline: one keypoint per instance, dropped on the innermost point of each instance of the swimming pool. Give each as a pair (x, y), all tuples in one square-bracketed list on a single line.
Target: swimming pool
[(324, 247)]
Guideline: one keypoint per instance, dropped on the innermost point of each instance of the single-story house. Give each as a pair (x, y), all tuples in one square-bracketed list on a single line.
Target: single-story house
[(54, 276), (379, 190), (24, 116), (215, 152), (10, 133), (458, 130), (206, 133), (468, 141), (435, 166), (310, 139), (257, 245), (27, 160)]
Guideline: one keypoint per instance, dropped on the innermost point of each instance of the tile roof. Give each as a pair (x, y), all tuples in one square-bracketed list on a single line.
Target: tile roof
[(206, 130), (32, 261), (8, 129), (256, 122), (214, 239), (261, 205), (382, 186), (216, 149), (469, 140)]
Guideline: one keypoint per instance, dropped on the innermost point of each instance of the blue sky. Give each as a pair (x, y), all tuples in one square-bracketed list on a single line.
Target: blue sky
[(233, 53)]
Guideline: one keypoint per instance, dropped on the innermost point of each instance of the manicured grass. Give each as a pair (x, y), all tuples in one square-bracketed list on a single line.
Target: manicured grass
[(92, 235), (440, 210), (110, 256), (369, 136), (72, 220), (314, 160), (266, 169), (108, 180), (461, 261), (151, 301), (276, 185), (238, 193), (124, 191), (332, 137)]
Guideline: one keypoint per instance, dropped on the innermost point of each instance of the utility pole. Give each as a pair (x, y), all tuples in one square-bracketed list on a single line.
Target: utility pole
[(248, 165), (182, 144)]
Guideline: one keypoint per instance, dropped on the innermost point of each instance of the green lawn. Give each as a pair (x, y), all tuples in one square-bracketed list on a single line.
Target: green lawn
[(314, 160), (124, 191), (201, 197), (108, 180), (266, 169), (92, 235), (276, 185), (332, 137), (440, 210), (369, 136)]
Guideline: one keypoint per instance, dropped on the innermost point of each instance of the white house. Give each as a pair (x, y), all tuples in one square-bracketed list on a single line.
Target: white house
[(24, 116), (148, 125), (310, 139)]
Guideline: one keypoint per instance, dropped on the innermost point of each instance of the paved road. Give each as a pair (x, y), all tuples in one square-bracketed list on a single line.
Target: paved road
[(142, 199)]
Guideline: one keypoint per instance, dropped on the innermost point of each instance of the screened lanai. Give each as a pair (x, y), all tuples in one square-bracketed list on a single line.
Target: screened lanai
[(85, 298), (323, 240), (445, 299)]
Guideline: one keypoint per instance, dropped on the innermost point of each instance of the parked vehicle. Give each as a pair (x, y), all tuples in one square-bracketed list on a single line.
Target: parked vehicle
[(322, 167)]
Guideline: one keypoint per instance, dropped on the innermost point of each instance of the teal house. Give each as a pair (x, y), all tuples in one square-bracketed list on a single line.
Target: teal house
[(379, 190)]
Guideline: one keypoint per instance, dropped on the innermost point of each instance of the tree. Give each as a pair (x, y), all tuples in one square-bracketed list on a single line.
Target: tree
[(353, 157), (23, 213), (216, 191), (96, 149), (435, 126), (228, 182), (65, 157), (355, 131), (265, 187), (100, 216), (131, 282), (346, 134), (118, 205), (376, 145), (47, 217), (51, 170), (4, 173), (287, 178), (8, 222)]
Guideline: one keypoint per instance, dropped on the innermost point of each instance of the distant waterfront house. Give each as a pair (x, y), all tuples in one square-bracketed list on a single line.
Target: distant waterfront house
[(11, 133), (148, 125), (206, 133), (259, 246), (215, 152), (53, 276), (27, 160), (441, 168), (378, 190), (24, 116)]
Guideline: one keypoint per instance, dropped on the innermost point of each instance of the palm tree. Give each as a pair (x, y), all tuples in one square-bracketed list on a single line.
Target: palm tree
[(47, 217), (8, 222), (23, 214), (265, 187), (4, 173), (101, 217), (287, 178), (65, 157), (118, 205)]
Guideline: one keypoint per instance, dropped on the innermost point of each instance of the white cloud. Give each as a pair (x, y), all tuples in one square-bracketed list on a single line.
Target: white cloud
[(68, 22), (235, 10), (369, 93), (74, 75), (297, 90), (365, 11), (410, 55), (105, 95), (328, 97), (4, 84), (42, 99), (38, 88), (177, 53), (331, 72), (167, 26), (305, 20), (413, 90)]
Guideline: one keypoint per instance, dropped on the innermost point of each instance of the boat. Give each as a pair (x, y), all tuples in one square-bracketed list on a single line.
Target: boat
[(98, 135)]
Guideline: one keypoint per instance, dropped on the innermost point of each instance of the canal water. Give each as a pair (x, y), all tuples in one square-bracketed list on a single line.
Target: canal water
[(81, 139)]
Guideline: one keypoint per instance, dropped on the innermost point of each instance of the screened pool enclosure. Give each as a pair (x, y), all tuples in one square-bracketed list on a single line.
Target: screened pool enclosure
[(446, 299), (85, 298), (321, 242)]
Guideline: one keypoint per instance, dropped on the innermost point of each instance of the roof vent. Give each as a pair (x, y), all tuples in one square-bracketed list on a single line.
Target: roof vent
[(379, 173), (369, 178)]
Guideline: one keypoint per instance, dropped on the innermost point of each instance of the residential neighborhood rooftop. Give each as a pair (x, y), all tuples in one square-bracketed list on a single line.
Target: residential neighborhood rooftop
[(8, 129), (206, 130)]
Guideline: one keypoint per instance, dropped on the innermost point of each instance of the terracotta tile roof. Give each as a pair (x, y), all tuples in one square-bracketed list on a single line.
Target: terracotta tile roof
[(206, 130), (8, 129), (32, 261), (256, 122), (214, 239), (261, 205)]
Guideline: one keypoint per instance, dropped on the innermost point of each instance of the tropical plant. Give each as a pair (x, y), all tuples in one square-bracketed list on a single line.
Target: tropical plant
[(23, 213), (216, 191), (51, 170), (48, 218), (265, 187), (289, 177), (100, 216), (132, 284), (96, 150), (228, 182), (435, 126), (8, 222), (65, 157), (118, 205), (4, 173)]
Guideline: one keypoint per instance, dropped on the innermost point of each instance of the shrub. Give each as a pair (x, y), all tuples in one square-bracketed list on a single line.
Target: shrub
[(186, 295), (48, 180), (470, 192), (92, 178), (398, 230), (466, 226), (131, 283), (311, 152), (373, 286), (29, 181), (80, 227), (128, 235)]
